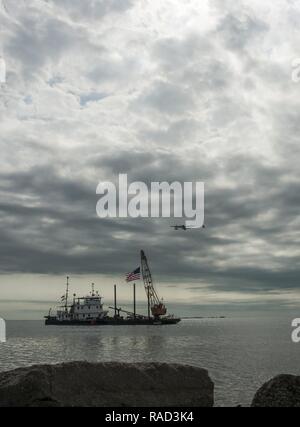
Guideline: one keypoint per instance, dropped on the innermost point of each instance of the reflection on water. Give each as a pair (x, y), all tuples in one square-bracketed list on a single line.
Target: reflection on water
[(239, 354)]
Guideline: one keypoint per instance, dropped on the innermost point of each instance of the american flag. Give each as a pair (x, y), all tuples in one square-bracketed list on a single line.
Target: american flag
[(135, 275)]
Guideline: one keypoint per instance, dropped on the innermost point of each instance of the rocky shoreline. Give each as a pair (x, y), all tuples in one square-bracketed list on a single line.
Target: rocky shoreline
[(107, 385), (282, 391), (83, 384)]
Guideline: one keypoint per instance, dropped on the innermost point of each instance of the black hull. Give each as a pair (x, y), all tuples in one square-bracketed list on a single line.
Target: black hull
[(111, 322)]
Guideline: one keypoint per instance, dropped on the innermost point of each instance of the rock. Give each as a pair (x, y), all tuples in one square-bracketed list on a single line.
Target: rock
[(107, 385), (281, 391)]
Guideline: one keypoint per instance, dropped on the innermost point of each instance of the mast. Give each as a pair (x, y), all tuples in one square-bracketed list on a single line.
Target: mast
[(134, 300), (154, 303), (67, 294), (115, 300)]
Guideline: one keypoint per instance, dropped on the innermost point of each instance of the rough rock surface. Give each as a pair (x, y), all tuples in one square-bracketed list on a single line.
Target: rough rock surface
[(281, 391), (106, 385)]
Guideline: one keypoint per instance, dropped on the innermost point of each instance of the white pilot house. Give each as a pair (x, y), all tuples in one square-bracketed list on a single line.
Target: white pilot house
[(88, 308)]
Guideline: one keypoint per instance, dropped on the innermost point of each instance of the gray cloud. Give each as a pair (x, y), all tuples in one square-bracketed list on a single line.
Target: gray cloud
[(166, 98), (36, 42), (237, 32), (95, 91), (94, 9)]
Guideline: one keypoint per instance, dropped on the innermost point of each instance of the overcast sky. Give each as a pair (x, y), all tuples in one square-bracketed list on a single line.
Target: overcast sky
[(164, 91)]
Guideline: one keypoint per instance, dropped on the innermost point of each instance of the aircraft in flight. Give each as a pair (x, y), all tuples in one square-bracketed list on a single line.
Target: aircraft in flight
[(184, 227)]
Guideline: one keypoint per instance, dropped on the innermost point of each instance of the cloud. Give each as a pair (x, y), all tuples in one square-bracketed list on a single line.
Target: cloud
[(238, 32), (94, 9), (36, 42), (166, 98), (111, 88), (91, 97)]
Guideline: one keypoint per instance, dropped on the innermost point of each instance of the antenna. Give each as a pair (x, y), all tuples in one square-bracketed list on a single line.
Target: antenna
[(93, 289)]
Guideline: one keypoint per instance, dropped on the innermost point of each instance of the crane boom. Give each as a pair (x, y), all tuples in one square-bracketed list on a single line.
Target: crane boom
[(157, 307)]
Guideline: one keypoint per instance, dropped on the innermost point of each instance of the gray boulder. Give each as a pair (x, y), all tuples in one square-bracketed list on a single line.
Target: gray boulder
[(281, 391), (82, 384)]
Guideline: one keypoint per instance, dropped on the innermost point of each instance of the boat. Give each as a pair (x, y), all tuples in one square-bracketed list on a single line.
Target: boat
[(89, 310)]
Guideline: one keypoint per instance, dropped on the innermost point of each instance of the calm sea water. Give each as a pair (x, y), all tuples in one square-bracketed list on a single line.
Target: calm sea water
[(240, 354)]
